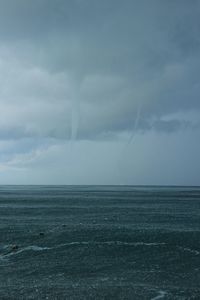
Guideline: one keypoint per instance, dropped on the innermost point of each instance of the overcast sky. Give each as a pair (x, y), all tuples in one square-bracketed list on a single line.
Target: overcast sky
[(100, 92)]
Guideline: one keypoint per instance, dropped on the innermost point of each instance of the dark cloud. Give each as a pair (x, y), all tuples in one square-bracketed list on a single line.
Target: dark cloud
[(170, 126), (97, 71)]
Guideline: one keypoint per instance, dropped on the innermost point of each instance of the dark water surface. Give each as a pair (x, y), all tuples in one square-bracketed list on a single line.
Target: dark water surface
[(81, 242)]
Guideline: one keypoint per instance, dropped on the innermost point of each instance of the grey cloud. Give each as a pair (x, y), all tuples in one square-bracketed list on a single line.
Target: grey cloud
[(82, 69), (170, 126)]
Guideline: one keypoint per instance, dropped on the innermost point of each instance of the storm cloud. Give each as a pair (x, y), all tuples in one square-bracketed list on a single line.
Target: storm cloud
[(87, 76)]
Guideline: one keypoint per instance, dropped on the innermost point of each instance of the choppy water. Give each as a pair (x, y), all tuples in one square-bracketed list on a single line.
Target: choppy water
[(99, 242)]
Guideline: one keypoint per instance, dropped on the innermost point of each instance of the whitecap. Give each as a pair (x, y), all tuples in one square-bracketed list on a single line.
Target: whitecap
[(75, 243), (109, 243), (160, 295), (120, 243), (28, 248), (190, 250)]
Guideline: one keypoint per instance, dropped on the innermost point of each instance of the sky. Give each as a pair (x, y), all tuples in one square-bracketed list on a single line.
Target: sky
[(100, 92)]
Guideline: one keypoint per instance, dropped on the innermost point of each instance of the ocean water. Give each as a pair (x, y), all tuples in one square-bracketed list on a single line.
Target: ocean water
[(99, 242)]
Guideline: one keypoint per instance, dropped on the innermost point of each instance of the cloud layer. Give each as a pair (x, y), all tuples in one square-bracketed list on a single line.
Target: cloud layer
[(96, 72)]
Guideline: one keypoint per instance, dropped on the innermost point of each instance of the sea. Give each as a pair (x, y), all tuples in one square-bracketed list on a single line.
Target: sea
[(99, 242)]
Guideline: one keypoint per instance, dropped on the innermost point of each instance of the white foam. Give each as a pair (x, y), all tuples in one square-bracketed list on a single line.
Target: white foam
[(35, 248), (76, 243), (161, 295), (109, 243), (131, 243), (71, 244), (28, 248), (190, 250)]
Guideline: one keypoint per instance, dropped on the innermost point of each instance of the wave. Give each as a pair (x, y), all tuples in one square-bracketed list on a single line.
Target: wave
[(161, 295), (28, 248), (190, 250), (9, 252), (109, 243)]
